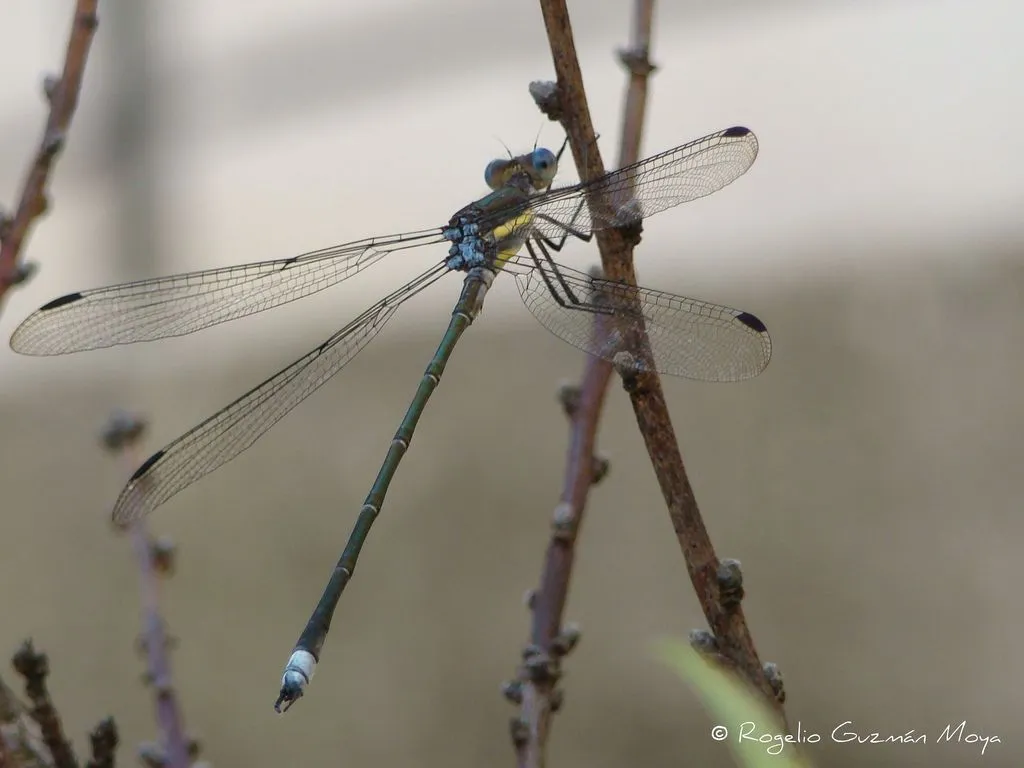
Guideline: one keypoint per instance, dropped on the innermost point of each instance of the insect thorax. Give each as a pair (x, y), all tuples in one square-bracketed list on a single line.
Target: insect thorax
[(490, 230)]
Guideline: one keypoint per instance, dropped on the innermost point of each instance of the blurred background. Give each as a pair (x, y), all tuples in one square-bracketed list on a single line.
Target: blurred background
[(868, 480)]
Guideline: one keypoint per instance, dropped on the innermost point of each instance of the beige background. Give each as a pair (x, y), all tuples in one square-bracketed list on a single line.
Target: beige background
[(867, 481)]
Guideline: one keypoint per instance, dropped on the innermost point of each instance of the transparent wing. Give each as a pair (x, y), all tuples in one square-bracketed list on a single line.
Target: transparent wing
[(689, 338), (181, 304), (234, 428), (649, 186)]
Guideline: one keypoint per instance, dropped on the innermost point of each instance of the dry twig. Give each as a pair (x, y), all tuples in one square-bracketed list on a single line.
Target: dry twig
[(103, 741), (32, 737), (34, 668), (121, 435), (725, 617), (21, 743), (548, 640), (62, 94)]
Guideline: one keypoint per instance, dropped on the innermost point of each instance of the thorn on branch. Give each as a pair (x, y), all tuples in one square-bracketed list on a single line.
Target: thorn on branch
[(632, 227), (625, 363), (601, 468), (563, 523), (774, 676), (557, 699), (530, 598), (730, 584), (51, 83), (103, 741), (569, 398), (519, 731), (87, 20), (513, 691), (53, 143), (531, 650), (541, 668), (566, 640), (703, 642), (33, 667), (163, 553), (548, 99), (637, 61)]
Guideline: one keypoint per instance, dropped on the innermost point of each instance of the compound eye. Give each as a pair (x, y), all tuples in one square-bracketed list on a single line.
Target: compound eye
[(545, 163), (494, 172)]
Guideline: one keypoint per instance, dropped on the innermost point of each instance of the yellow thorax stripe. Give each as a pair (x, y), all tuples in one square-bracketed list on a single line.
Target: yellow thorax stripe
[(510, 236)]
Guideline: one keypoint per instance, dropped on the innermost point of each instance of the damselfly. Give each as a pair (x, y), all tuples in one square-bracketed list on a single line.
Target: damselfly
[(689, 338)]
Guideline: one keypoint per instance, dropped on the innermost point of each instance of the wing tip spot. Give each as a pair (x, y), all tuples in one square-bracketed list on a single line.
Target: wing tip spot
[(146, 466), (61, 301), (752, 321), (737, 131)]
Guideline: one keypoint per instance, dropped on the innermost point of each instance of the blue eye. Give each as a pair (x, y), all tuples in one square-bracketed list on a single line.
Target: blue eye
[(493, 173), (545, 162)]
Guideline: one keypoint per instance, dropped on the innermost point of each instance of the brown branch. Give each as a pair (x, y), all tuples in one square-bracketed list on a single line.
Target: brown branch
[(549, 643), (63, 97), (103, 741), (121, 435), (35, 738), (540, 671), (34, 667), (644, 386), (637, 60), (21, 743)]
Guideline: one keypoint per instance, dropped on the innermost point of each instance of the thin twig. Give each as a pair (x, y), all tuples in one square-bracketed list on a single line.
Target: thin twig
[(21, 743), (644, 387), (34, 667), (103, 741), (63, 97), (540, 696), (549, 642), (121, 435), (637, 60)]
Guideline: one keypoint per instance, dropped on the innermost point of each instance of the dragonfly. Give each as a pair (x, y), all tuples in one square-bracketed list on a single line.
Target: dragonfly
[(685, 337)]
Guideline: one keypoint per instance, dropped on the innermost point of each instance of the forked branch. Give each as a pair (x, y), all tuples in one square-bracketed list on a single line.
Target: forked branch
[(715, 586), (550, 639)]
